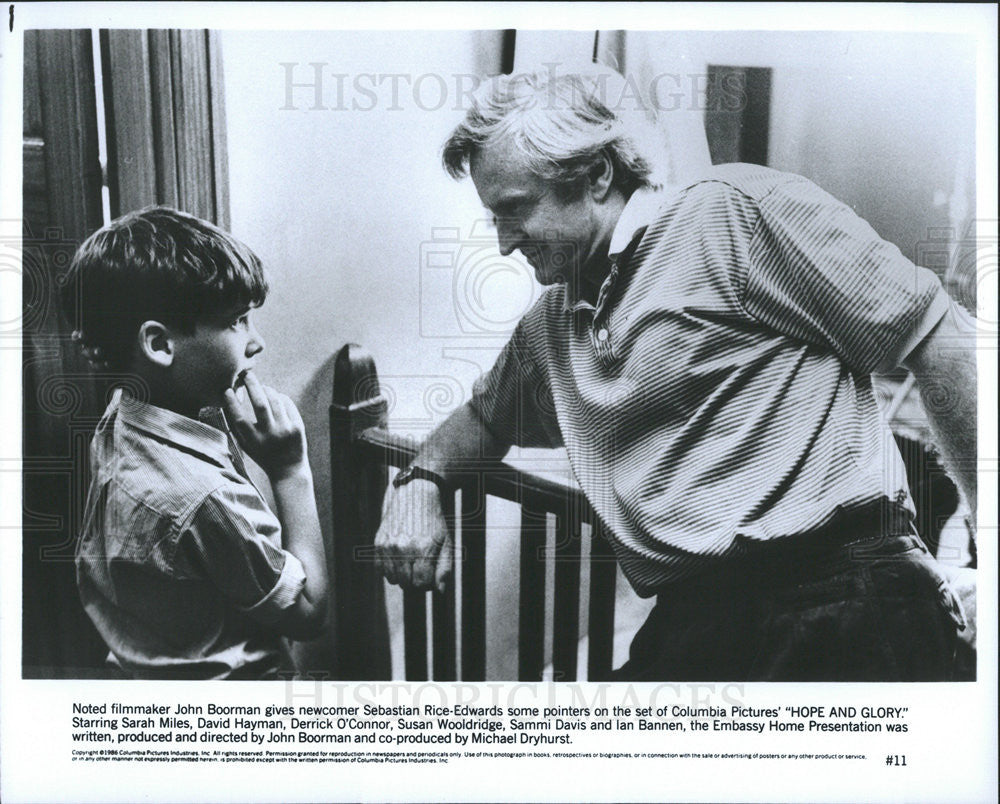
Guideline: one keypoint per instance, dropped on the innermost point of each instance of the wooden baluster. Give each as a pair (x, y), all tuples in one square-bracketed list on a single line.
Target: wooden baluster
[(531, 620), (443, 615), (566, 617), (601, 612), (360, 630), (472, 561), (415, 634)]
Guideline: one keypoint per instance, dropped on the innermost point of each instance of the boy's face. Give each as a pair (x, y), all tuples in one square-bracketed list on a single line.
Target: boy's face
[(213, 357)]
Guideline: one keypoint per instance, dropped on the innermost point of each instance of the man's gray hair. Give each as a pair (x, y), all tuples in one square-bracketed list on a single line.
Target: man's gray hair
[(563, 123)]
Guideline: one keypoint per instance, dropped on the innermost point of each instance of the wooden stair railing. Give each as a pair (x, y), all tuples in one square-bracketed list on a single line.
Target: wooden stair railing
[(362, 450)]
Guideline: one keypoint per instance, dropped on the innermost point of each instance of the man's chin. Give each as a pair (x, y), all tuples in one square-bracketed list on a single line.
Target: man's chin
[(549, 279)]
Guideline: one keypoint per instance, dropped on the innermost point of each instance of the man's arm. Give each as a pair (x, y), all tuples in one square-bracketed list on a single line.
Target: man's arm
[(413, 547), (944, 364)]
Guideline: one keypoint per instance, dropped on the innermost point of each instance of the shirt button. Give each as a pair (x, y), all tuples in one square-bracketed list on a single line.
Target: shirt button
[(602, 335)]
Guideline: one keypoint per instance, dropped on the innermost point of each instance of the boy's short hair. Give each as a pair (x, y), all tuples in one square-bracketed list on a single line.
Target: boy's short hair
[(156, 264)]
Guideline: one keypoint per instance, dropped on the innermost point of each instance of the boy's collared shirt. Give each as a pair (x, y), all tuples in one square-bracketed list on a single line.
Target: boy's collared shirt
[(179, 563)]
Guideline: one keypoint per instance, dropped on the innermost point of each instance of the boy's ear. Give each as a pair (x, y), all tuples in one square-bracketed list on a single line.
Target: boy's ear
[(156, 343)]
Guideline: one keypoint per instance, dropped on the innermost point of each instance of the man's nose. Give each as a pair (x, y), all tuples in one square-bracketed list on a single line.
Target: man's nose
[(507, 237), (256, 343)]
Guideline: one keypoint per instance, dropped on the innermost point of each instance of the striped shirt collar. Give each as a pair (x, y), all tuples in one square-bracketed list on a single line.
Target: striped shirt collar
[(193, 436), (640, 211)]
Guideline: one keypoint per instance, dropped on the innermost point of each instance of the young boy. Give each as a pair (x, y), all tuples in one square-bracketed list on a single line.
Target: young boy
[(181, 565)]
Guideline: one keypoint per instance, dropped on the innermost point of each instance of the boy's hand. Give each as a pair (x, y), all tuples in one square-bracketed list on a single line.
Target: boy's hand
[(277, 440)]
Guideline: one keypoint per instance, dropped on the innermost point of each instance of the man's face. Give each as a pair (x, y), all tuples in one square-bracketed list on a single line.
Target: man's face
[(555, 234), (213, 357)]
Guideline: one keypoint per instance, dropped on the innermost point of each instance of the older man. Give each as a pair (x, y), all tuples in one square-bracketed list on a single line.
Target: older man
[(704, 356)]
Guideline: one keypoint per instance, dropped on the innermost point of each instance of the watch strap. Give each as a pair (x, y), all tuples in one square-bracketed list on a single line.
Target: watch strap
[(414, 472)]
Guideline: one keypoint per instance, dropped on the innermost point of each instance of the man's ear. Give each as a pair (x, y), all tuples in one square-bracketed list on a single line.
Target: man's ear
[(156, 343), (600, 177)]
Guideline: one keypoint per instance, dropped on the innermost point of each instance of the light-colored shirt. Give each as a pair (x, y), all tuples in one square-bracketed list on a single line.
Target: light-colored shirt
[(179, 564), (720, 389)]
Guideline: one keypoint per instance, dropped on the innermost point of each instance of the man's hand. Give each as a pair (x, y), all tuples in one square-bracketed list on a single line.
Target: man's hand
[(277, 440), (413, 547), (963, 583)]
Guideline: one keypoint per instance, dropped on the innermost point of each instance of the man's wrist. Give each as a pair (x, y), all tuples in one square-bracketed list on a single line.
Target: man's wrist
[(417, 472)]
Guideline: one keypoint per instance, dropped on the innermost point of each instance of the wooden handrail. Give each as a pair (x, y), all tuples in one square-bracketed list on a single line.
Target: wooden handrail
[(362, 449), (502, 479)]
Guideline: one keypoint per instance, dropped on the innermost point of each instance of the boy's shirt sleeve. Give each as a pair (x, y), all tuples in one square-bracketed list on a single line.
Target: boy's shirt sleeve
[(233, 540)]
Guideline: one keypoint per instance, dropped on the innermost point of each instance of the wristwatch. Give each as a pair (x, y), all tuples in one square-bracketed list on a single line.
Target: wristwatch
[(414, 472)]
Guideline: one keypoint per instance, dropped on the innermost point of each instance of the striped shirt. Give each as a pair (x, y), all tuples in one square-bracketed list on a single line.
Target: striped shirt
[(179, 563), (720, 389)]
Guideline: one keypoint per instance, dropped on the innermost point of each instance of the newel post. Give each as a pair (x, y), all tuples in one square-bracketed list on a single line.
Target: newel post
[(358, 485)]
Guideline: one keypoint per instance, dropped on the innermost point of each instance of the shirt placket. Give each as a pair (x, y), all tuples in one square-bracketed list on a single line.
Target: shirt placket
[(600, 331), (215, 418)]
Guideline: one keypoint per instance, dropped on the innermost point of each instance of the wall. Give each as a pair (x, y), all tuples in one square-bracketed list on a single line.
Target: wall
[(338, 201), (343, 204), (883, 121)]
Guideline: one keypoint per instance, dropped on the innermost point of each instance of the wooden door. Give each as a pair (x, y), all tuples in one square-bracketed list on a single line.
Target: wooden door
[(164, 127), (62, 205)]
